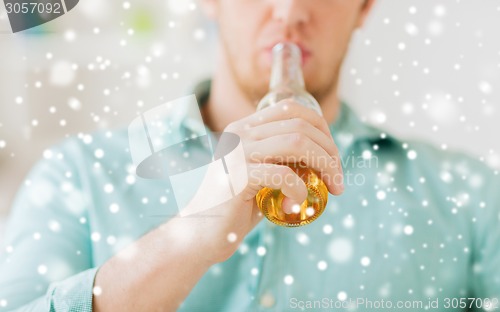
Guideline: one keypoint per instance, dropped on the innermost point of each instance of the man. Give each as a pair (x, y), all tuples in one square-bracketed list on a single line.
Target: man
[(417, 229)]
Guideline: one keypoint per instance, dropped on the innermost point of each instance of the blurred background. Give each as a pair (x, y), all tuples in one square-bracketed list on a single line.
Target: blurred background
[(422, 69)]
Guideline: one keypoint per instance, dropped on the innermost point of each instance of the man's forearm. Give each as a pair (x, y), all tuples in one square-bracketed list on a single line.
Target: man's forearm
[(156, 273)]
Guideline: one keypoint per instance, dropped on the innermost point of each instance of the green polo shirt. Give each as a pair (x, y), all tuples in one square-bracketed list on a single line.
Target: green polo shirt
[(416, 228)]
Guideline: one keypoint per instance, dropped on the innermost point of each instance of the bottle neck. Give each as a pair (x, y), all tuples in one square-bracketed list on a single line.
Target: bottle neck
[(286, 69)]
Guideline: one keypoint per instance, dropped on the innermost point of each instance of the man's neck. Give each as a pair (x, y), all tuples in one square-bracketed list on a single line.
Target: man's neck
[(228, 103), (330, 106)]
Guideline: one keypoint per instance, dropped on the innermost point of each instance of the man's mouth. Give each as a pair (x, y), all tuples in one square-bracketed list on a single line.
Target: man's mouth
[(305, 52)]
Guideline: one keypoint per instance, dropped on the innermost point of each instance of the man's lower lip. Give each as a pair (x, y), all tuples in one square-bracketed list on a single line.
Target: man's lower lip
[(269, 57), (305, 58)]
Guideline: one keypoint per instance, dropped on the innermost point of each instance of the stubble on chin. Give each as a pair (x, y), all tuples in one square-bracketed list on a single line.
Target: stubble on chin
[(253, 80)]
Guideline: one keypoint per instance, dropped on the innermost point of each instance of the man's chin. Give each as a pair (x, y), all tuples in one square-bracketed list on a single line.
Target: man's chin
[(252, 91)]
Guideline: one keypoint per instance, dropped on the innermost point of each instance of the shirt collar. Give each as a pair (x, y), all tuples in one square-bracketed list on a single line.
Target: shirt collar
[(348, 129)]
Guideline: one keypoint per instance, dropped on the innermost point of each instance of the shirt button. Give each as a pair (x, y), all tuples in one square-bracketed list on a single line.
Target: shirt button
[(267, 300)]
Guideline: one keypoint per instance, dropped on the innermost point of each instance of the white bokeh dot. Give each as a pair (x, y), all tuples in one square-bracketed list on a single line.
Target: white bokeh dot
[(48, 154), (408, 229), (178, 7), (42, 269), (342, 296), (111, 240), (381, 195), (99, 153), (412, 154), (366, 154), (70, 35), (440, 10), (310, 211), (485, 87), (95, 236), (199, 34), (322, 265), (303, 238), (261, 250), (348, 222), (340, 250), (97, 291), (365, 261), (327, 229), (61, 74), (130, 179), (411, 29), (54, 226), (108, 188), (232, 237), (114, 208)]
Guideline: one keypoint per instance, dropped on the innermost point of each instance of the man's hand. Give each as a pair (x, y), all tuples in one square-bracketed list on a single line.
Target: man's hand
[(284, 133)]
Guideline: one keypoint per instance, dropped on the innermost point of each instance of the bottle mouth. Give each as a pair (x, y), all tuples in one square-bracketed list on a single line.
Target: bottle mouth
[(287, 49)]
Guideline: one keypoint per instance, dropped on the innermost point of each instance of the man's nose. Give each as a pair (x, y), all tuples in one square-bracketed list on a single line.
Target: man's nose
[(291, 12)]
